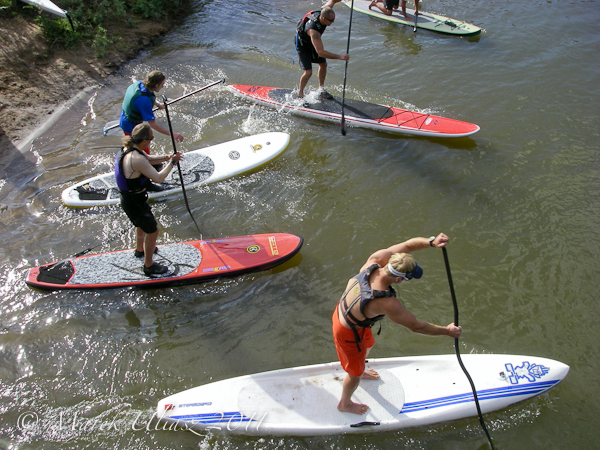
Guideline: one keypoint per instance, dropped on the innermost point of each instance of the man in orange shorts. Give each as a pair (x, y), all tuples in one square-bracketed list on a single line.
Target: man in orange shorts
[(368, 298)]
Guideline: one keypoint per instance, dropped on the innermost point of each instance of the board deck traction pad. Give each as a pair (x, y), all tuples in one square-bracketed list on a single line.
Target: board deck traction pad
[(356, 108), (195, 168), (122, 266)]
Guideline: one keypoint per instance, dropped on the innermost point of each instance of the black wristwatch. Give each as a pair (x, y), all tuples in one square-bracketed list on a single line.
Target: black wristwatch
[(431, 239)]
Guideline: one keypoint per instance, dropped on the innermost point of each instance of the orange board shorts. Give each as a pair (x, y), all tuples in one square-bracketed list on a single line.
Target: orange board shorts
[(353, 361)]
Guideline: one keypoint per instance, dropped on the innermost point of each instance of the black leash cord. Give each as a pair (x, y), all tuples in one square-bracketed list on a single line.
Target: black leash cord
[(86, 251)]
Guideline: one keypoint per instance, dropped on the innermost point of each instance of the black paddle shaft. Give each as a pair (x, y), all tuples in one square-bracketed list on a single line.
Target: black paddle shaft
[(346, 70), (457, 350), (187, 205)]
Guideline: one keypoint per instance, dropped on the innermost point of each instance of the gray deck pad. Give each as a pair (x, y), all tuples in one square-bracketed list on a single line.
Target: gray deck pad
[(117, 267), (195, 168)]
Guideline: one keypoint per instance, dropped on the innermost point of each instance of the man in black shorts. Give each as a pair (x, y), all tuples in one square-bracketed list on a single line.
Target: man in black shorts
[(389, 5), (310, 47)]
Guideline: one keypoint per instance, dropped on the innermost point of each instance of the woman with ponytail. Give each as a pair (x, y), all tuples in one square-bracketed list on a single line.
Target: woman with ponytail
[(133, 171)]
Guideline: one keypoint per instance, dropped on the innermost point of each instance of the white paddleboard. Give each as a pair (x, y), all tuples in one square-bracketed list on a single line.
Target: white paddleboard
[(425, 20), (47, 6), (199, 168), (412, 391)]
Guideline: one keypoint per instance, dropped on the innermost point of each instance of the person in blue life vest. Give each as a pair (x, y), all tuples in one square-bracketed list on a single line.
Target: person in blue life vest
[(389, 5), (139, 100), (133, 168), (368, 298), (310, 46)]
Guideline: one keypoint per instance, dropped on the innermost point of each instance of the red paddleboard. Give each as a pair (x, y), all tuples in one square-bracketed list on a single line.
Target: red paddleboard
[(188, 262), (358, 113)]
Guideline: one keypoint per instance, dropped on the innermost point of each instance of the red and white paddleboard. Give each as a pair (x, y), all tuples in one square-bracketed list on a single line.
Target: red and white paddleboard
[(358, 113), (188, 262)]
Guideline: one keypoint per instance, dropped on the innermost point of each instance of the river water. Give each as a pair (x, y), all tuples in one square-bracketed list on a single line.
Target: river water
[(520, 201)]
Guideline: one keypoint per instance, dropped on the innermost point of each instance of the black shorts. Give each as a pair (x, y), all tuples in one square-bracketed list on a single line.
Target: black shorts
[(389, 4), (138, 210), (308, 55)]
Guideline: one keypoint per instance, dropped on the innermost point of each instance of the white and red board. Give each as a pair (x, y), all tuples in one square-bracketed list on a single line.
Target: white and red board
[(358, 113), (188, 262)]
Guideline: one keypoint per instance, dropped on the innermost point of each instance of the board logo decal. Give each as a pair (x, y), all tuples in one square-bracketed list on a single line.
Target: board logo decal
[(212, 241), (216, 269), (253, 249), (528, 371), (273, 244), (191, 405), (169, 407), (233, 154), (256, 147)]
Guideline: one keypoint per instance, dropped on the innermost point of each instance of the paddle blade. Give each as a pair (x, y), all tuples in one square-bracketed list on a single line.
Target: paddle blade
[(343, 127), (111, 128)]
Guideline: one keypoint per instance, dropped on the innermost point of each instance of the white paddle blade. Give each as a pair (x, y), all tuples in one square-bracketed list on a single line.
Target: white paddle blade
[(111, 128)]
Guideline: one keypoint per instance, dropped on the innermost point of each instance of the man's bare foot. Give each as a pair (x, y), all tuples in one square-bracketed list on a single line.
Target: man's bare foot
[(372, 4), (354, 408), (370, 374)]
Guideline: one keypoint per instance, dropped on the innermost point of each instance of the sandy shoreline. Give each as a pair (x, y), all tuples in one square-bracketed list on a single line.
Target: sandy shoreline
[(37, 83)]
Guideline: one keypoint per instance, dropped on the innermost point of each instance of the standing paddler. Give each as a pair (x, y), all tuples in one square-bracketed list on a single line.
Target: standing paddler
[(368, 298), (133, 168), (310, 47), (139, 101)]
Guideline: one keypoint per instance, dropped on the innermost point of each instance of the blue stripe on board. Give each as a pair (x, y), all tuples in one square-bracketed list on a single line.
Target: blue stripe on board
[(487, 394)]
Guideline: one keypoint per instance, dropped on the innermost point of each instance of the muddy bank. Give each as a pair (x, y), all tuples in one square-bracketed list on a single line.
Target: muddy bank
[(35, 80)]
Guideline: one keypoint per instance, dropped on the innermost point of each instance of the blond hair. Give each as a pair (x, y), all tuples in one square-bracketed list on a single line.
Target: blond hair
[(402, 262)]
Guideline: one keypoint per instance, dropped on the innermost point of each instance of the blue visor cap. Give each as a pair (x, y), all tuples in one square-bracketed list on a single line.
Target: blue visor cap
[(417, 272)]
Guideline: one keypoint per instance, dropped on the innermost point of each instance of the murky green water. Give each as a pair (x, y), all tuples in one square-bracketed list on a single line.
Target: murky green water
[(520, 201)]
